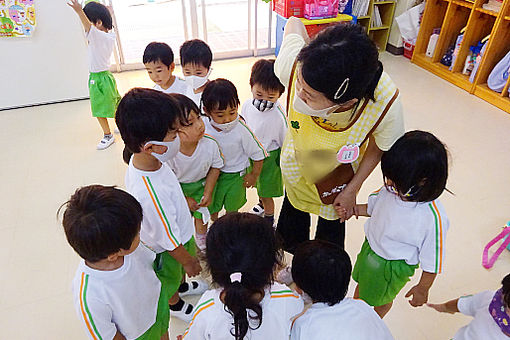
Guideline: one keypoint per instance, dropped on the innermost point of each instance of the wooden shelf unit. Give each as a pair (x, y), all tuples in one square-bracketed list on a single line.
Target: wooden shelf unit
[(451, 16), (379, 34)]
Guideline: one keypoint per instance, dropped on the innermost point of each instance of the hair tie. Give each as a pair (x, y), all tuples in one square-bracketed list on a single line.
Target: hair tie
[(236, 277), (342, 89)]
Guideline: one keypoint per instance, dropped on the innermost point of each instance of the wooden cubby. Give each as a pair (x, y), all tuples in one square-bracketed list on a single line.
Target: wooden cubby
[(379, 34), (452, 16)]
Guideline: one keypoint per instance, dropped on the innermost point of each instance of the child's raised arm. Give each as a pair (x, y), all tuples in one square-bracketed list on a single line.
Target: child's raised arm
[(74, 4), (446, 307)]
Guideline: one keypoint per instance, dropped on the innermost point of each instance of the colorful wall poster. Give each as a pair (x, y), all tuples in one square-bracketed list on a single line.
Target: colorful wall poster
[(17, 18)]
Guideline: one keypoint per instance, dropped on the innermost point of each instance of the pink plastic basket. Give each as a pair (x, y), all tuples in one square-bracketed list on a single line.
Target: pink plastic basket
[(320, 9)]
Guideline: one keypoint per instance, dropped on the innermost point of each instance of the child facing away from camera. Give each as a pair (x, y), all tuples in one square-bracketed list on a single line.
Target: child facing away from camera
[(407, 224), (148, 121), (197, 166), (196, 59), (242, 254), (266, 117), (237, 142), (104, 97), (490, 311), (321, 272), (158, 59), (116, 292)]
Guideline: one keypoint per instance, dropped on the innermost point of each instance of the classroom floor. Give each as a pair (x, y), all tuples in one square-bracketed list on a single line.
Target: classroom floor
[(49, 151)]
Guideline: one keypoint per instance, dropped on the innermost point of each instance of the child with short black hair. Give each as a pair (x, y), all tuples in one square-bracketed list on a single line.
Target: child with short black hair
[(196, 59), (266, 117), (148, 121), (197, 166), (321, 272), (490, 310), (104, 97), (407, 224), (237, 142), (242, 254), (158, 59), (117, 295)]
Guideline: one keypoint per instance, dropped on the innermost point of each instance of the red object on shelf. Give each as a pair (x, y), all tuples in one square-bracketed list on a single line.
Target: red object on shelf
[(289, 8), (312, 30), (408, 49)]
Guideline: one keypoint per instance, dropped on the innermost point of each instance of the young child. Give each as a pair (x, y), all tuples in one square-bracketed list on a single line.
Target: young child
[(196, 59), (237, 142), (242, 253), (266, 117), (489, 309), (104, 97), (407, 224), (158, 59), (322, 271), (197, 165), (148, 121), (117, 295)]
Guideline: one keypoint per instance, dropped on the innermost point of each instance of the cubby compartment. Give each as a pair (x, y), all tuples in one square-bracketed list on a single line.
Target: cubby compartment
[(438, 9), (456, 19)]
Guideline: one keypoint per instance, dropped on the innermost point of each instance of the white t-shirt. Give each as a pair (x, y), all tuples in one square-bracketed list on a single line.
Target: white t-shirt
[(99, 49), (410, 231), (178, 86), (269, 126), (347, 320), (196, 97), (483, 325), (238, 146), (166, 222), (211, 321), (124, 299), (207, 155)]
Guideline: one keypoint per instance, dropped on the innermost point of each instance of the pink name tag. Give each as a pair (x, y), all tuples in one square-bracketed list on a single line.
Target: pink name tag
[(348, 153)]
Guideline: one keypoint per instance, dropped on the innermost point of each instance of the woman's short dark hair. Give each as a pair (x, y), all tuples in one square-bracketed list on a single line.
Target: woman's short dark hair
[(219, 94), (243, 243), (100, 220), (339, 52), (146, 114), (96, 11), (158, 51), (196, 52), (417, 164), (322, 270), (506, 290), (262, 73)]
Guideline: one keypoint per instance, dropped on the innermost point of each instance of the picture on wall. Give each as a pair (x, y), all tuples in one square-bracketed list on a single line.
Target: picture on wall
[(17, 18)]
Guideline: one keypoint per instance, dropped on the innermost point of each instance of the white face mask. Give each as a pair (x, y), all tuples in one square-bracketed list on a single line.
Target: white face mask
[(195, 81), (172, 148), (226, 127), (301, 107)]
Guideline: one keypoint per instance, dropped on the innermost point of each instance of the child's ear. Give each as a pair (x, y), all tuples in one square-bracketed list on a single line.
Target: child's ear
[(172, 67), (113, 257), (147, 148), (298, 290)]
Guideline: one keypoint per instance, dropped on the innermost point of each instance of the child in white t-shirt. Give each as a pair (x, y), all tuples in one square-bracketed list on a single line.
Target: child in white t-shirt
[(158, 59), (490, 311), (407, 224), (237, 142), (196, 59), (148, 121), (116, 292), (266, 117), (321, 272), (197, 166), (242, 253), (104, 97)]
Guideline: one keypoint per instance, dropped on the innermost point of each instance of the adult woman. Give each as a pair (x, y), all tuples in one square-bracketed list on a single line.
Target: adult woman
[(338, 96)]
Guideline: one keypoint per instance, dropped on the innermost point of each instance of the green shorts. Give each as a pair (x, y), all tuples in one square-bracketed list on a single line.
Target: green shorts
[(169, 271), (104, 96), (160, 326), (270, 181), (379, 280), (195, 190), (230, 193)]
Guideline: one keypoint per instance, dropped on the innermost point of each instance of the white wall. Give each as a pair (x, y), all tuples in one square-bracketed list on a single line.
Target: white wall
[(51, 65)]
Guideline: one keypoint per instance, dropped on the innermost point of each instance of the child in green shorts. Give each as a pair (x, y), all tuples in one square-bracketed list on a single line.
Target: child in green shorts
[(267, 119), (197, 166), (104, 97), (237, 142)]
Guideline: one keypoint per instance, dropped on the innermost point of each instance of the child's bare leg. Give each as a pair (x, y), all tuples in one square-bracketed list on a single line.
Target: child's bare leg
[(384, 309), (214, 216), (356, 292), (104, 125), (268, 204), (174, 299), (200, 227)]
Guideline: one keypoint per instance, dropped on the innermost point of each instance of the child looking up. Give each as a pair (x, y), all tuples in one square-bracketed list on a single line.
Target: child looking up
[(158, 59), (197, 165), (266, 117), (104, 97), (237, 142), (196, 58), (242, 253)]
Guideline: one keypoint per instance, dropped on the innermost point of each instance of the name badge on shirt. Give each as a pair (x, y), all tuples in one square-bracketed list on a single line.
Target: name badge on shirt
[(348, 153)]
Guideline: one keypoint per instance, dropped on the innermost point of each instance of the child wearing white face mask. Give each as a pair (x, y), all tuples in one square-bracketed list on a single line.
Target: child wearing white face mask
[(267, 118), (148, 121), (196, 58), (237, 142)]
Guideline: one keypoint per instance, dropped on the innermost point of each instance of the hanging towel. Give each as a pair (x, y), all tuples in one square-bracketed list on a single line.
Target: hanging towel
[(499, 75)]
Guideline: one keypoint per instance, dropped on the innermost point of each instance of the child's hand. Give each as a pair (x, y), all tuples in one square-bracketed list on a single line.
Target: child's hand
[(179, 337), (440, 307), (419, 295), (250, 180), (205, 201), (193, 267), (341, 212), (192, 204), (74, 4)]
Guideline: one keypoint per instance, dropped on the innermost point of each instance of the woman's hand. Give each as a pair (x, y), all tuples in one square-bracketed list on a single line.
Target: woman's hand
[(345, 203)]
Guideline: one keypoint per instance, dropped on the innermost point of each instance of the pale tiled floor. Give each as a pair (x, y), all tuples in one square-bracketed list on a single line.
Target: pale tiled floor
[(49, 151)]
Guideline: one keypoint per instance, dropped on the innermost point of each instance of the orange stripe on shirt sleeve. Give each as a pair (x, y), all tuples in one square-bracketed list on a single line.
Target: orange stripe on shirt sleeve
[(440, 237), (87, 323), (194, 316)]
